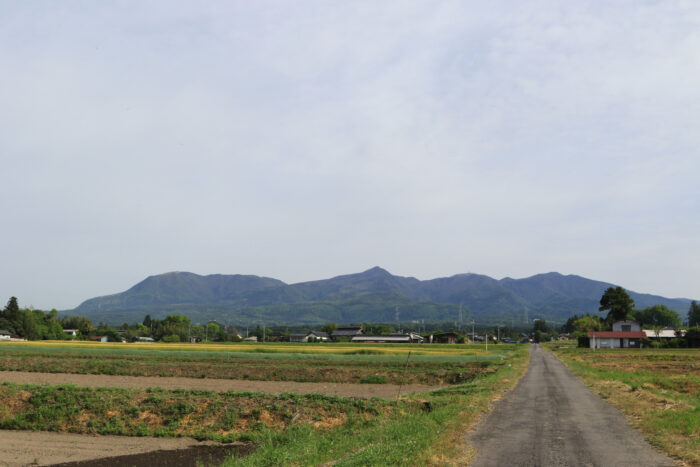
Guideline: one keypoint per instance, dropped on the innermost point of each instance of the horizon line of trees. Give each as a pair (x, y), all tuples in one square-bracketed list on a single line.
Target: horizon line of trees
[(39, 325)]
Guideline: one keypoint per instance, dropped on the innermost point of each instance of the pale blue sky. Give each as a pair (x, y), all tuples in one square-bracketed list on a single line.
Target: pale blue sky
[(302, 140)]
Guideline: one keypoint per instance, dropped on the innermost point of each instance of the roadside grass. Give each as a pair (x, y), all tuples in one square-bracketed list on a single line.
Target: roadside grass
[(432, 432), (657, 389)]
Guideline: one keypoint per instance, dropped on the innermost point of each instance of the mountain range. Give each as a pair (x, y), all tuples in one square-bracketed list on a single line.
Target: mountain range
[(374, 295)]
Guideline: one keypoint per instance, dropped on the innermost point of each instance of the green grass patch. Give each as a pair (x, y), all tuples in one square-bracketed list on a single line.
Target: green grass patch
[(426, 431)]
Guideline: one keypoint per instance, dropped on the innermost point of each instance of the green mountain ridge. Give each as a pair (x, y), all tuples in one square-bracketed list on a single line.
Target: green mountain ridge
[(374, 295)]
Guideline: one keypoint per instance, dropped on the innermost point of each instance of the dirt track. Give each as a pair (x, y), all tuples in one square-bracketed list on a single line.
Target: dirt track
[(219, 385), (20, 448), (552, 419)]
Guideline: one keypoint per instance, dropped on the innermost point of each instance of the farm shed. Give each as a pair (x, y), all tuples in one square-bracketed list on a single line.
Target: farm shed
[(664, 333), (615, 339), (624, 334), (5, 335)]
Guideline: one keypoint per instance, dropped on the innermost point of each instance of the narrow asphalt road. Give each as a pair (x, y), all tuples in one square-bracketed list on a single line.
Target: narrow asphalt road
[(552, 419)]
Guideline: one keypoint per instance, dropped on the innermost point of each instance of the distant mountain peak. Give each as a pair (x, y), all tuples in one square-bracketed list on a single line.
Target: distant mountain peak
[(371, 296), (376, 270)]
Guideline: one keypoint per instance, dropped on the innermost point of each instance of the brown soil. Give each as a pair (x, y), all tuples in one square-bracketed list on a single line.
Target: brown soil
[(248, 369), (22, 448), (218, 385), (190, 457)]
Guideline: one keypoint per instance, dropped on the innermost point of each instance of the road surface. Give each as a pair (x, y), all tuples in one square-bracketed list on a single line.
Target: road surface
[(552, 419)]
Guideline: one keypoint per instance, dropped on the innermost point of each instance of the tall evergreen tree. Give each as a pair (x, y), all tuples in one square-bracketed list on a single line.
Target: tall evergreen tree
[(618, 302), (694, 314)]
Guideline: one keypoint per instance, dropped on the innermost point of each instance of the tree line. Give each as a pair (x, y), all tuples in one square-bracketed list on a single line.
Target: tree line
[(33, 324)]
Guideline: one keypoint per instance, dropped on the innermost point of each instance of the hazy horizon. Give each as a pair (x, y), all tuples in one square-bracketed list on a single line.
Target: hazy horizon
[(307, 140)]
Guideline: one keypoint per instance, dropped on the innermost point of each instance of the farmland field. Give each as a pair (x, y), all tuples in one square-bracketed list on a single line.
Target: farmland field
[(657, 389), (350, 363), (283, 428)]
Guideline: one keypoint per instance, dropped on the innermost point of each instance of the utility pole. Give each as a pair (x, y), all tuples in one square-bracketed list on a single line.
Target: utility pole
[(473, 322), (486, 339)]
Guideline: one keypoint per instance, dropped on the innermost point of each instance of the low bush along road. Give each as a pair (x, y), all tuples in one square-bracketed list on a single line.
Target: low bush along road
[(552, 419)]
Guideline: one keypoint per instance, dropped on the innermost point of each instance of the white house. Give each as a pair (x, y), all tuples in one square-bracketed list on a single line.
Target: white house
[(624, 334), (5, 335)]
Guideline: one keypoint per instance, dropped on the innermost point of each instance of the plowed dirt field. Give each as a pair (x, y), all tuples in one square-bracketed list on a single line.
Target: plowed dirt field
[(218, 385)]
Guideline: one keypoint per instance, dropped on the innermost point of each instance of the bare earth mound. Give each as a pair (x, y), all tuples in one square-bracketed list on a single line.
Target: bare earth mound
[(218, 385)]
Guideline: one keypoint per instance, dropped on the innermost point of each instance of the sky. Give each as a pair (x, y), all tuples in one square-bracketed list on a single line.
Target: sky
[(308, 139)]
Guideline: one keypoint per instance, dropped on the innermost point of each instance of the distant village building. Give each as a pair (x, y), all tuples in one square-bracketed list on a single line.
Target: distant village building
[(70, 332), (624, 334), (317, 336), (397, 338), (311, 336), (442, 338), (5, 335), (275, 337), (298, 338), (347, 333)]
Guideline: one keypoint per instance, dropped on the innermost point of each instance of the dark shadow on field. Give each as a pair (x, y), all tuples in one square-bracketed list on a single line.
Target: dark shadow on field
[(196, 455)]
